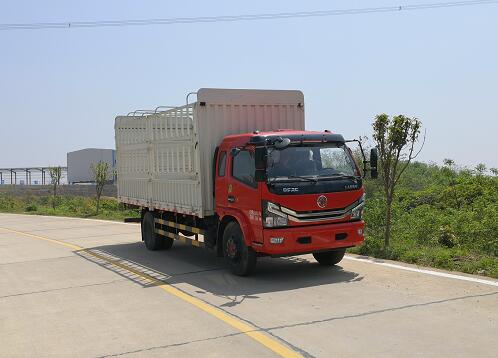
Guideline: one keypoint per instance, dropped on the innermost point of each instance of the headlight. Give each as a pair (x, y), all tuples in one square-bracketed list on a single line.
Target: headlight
[(272, 216), (357, 211)]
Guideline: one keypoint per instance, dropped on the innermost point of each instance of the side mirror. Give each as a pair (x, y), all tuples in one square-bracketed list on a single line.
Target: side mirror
[(374, 158)]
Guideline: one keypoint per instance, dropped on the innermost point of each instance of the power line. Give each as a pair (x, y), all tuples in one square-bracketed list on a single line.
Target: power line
[(236, 18)]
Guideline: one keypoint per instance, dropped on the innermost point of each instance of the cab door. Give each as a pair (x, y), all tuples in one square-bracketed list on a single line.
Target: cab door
[(243, 194), (220, 179)]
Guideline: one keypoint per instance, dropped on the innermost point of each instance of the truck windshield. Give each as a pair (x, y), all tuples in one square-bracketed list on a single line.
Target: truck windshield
[(310, 162)]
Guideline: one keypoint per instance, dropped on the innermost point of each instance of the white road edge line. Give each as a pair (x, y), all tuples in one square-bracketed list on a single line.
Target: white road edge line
[(424, 271)]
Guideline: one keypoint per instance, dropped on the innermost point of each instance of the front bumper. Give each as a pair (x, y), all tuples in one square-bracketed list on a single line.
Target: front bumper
[(299, 240)]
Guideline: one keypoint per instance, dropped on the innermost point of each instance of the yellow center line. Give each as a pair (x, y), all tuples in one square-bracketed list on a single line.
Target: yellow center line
[(243, 327)]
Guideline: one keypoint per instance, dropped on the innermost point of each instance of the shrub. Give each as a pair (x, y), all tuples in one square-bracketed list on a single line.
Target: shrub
[(442, 217), (31, 207)]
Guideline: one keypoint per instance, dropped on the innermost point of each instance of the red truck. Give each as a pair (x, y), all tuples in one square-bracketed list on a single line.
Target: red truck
[(224, 173)]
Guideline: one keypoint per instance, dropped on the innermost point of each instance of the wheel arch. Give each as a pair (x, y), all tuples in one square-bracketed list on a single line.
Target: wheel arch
[(221, 229), (241, 221)]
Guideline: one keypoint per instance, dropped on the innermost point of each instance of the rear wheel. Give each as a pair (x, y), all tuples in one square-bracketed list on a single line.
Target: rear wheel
[(152, 240), (240, 257), (329, 258)]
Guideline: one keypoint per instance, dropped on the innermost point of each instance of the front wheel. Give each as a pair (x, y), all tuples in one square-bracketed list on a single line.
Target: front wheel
[(329, 258), (240, 257)]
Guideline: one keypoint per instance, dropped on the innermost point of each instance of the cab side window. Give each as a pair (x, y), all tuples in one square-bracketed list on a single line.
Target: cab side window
[(243, 168), (222, 161)]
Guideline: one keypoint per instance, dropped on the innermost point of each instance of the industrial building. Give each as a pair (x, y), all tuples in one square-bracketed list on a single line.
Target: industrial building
[(78, 169), (29, 176), (79, 164)]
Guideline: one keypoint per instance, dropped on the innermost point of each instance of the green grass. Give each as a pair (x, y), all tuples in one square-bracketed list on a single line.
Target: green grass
[(110, 208), (442, 217)]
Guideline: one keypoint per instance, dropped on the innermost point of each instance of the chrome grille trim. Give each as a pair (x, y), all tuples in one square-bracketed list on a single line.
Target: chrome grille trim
[(324, 217), (319, 213), (327, 218)]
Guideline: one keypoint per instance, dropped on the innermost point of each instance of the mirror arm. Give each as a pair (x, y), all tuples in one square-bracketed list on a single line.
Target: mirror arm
[(365, 161)]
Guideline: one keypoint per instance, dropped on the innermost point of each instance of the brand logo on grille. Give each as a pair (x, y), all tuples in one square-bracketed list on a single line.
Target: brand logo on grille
[(290, 190), (321, 201)]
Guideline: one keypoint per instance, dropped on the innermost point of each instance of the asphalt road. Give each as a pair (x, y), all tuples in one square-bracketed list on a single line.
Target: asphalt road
[(89, 288)]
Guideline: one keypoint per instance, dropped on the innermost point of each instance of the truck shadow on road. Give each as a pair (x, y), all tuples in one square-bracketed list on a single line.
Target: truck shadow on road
[(209, 274)]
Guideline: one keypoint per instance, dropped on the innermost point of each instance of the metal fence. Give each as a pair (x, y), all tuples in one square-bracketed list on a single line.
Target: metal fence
[(29, 176)]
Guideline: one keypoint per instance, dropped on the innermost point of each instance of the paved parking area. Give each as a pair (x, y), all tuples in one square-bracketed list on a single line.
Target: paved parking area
[(89, 288)]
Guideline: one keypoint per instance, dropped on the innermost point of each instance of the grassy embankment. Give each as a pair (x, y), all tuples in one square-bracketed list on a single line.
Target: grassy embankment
[(76, 206), (442, 217)]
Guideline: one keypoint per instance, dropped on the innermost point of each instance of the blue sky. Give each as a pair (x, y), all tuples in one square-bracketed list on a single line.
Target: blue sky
[(61, 89)]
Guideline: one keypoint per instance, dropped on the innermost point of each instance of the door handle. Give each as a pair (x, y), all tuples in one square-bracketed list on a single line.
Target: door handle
[(231, 199)]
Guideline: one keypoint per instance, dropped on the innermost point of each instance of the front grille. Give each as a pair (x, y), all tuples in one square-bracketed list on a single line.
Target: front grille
[(319, 215)]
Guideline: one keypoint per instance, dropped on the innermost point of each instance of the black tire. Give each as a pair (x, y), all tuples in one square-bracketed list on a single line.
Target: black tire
[(152, 240), (240, 257), (329, 258)]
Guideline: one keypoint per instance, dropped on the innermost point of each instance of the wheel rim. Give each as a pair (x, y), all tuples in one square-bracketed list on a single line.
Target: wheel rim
[(232, 251)]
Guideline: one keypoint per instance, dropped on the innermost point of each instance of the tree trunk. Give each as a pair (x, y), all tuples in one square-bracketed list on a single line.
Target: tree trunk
[(387, 229), (55, 195), (98, 204)]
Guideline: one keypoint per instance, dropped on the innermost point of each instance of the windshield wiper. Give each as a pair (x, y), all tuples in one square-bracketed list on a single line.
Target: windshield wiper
[(274, 179), (313, 179), (339, 176)]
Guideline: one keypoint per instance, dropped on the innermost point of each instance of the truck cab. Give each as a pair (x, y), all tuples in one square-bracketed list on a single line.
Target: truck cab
[(291, 192)]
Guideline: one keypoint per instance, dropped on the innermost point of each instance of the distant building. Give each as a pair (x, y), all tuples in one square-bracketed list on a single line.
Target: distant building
[(79, 164)]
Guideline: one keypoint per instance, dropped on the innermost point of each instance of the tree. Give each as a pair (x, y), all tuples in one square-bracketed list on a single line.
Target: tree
[(395, 138), (450, 163), (55, 176), (101, 176), (480, 169)]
